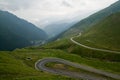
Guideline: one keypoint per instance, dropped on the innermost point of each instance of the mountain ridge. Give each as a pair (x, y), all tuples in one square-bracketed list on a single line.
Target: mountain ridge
[(18, 33), (92, 20)]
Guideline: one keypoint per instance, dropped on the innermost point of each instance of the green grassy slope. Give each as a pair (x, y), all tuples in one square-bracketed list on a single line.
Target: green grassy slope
[(15, 65), (86, 54), (92, 20), (105, 34), (70, 47)]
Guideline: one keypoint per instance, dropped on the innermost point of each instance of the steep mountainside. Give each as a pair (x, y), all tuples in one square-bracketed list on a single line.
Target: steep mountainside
[(105, 34), (93, 19), (17, 33)]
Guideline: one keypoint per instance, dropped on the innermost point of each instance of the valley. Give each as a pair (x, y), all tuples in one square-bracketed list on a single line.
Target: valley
[(36, 53), (87, 49)]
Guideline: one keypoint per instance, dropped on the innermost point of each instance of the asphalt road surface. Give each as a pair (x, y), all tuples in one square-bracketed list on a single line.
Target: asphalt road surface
[(40, 65)]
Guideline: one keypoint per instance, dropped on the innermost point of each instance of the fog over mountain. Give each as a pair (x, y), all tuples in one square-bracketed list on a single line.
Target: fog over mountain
[(40, 12)]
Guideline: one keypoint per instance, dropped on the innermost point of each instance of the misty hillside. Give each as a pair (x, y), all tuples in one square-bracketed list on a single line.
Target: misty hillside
[(18, 33), (93, 19)]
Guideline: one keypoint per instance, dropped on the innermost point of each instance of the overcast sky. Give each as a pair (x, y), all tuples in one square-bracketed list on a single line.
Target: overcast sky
[(38, 10)]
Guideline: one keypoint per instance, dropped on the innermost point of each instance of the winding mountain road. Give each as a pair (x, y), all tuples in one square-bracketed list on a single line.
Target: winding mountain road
[(103, 50), (40, 65)]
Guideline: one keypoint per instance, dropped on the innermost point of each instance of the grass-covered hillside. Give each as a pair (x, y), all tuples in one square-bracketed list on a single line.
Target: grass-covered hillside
[(105, 34), (20, 64), (92, 20), (15, 65)]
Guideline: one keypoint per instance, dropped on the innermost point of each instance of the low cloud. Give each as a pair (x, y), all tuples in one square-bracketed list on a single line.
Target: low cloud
[(37, 10)]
